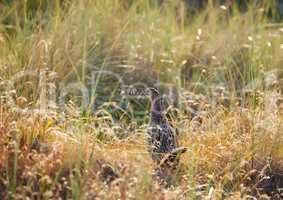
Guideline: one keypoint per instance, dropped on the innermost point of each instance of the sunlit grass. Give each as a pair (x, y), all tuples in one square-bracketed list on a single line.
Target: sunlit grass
[(55, 149)]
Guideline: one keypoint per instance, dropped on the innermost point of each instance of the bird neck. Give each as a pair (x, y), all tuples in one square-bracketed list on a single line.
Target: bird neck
[(157, 111)]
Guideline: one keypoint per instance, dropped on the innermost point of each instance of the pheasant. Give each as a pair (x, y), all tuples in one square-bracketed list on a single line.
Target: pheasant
[(162, 140)]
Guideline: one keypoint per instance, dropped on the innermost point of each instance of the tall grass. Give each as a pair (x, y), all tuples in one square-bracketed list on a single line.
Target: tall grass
[(60, 150)]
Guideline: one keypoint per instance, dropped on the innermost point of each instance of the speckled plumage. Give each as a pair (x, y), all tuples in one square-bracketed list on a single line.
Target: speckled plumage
[(162, 139)]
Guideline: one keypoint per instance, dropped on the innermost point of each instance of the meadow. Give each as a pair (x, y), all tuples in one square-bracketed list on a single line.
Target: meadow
[(74, 113)]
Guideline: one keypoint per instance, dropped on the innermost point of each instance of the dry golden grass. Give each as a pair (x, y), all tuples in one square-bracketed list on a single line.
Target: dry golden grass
[(54, 151), (227, 155)]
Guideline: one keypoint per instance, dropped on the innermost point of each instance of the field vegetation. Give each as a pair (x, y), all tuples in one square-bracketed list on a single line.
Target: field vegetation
[(73, 115)]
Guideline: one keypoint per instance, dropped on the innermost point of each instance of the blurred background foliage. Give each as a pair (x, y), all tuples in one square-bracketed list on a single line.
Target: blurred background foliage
[(189, 44)]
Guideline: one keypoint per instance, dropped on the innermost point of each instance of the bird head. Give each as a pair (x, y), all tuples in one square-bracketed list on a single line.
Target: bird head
[(157, 100), (154, 93)]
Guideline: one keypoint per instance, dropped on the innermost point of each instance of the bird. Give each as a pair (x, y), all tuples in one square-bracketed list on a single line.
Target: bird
[(163, 145)]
